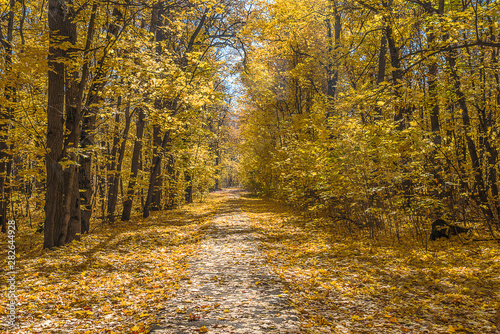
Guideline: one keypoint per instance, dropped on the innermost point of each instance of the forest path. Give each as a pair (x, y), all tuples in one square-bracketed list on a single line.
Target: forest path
[(229, 287)]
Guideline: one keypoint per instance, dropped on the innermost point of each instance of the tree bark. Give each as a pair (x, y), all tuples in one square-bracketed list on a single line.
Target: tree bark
[(85, 170), (432, 81), (54, 231), (155, 171), (5, 158), (113, 186), (333, 36), (217, 170), (479, 184), (397, 75), (188, 195), (88, 127), (382, 64), (171, 192), (156, 201), (72, 209), (64, 116), (127, 205)]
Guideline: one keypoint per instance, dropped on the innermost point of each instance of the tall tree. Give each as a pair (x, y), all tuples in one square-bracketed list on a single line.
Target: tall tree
[(59, 195), (5, 115)]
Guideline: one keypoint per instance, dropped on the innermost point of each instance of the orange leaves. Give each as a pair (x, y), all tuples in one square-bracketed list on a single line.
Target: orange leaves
[(138, 329), (359, 287), (113, 281), (203, 329)]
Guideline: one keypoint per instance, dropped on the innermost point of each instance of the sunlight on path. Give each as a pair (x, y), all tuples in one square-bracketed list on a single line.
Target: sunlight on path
[(230, 289)]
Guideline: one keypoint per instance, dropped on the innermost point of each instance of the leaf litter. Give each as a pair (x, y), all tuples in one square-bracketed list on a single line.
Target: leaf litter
[(238, 264), (346, 285), (230, 287)]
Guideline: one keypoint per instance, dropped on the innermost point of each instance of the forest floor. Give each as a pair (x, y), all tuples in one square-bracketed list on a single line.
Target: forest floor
[(239, 264)]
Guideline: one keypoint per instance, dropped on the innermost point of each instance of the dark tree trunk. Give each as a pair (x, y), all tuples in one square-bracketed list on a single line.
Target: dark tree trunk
[(152, 198), (64, 116), (382, 59), (479, 184), (115, 180), (171, 192), (111, 166), (5, 158), (85, 172), (72, 207), (58, 198), (216, 150), (155, 171), (397, 75), (157, 25), (127, 205), (156, 201), (400, 109), (217, 171), (382, 62), (333, 36), (432, 81), (88, 128), (188, 196)]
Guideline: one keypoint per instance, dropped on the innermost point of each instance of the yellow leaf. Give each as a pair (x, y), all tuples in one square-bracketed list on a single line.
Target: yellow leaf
[(204, 329)]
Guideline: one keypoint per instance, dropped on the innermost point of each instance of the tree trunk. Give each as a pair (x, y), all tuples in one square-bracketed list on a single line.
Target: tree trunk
[(155, 171), (432, 81), (85, 171), (5, 161), (479, 185), (127, 205), (332, 71), (217, 170), (152, 198), (88, 127), (382, 64), (57, 201), (64, 117), (115, 180), (171, 192), (188, 196), (397, 75), (156, 201), (111, 166), (400, 110)]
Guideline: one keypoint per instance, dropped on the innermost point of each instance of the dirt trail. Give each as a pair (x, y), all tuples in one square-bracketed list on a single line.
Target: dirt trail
[(230, 289)]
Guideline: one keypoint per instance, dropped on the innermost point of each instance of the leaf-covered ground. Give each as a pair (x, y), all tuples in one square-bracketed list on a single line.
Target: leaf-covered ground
[(115, 280), (344, 286), (230, 287), (236, 263)]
